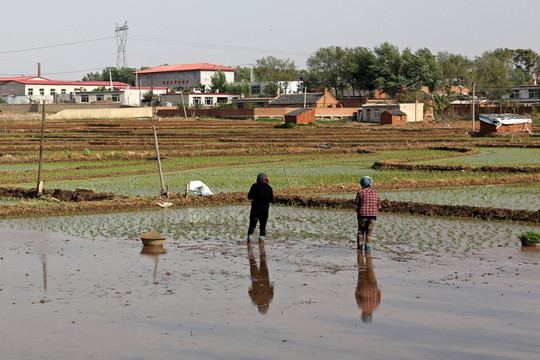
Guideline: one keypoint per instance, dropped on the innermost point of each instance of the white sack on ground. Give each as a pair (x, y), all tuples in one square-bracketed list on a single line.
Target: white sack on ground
[(197, 187)]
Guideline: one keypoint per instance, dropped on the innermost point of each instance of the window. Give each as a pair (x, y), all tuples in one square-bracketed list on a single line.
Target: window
[(377, 114), (41, 91), (208, 101), (52, 92), (30, 91), (116, 97), (533, 94), (196, 100), (84, 98), (63, 91), (99, 97)]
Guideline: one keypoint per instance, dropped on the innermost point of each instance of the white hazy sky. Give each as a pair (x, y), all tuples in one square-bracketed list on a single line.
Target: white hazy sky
[(237, 32)]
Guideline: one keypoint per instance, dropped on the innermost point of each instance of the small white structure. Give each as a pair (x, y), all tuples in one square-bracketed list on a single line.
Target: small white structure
[(372, 112), (504, 123), (197, 187)]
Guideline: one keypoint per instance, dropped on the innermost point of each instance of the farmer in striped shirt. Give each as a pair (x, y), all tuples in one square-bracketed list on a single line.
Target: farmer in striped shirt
[(367, 205)]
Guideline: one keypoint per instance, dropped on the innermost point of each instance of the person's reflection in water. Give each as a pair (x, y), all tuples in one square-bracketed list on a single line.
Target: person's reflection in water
[(368, 295), (261, 291)]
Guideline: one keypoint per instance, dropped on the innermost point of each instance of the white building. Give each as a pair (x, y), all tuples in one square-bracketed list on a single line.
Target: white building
[(372, 112), (285, 87), (175, 77), (198, 99), (36, 89)]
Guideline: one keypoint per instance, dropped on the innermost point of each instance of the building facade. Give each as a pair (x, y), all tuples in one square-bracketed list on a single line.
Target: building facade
[(36, 89), (175, 77)]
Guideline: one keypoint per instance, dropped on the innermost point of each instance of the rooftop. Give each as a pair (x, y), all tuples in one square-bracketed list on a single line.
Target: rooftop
[(185, 67)]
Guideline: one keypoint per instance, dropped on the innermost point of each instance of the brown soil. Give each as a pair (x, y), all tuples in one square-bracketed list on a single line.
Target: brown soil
[(88, 201), (132, 139)]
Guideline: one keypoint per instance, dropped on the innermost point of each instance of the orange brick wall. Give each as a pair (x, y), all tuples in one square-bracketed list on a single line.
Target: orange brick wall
[(304, 118), (485, 127), (389, 119), (325, 113)]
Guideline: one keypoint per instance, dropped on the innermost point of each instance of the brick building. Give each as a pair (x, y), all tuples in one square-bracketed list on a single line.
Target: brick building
[(392, 117)]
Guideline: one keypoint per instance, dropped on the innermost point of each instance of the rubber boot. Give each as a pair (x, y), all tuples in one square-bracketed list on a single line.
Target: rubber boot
[(261, 240), (249, 239)]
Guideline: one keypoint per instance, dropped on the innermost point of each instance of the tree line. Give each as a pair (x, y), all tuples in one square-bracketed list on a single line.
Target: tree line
[(363, 71)]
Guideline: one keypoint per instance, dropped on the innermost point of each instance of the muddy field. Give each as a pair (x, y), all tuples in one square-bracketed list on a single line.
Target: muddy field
[(84, 287), (442, 281)]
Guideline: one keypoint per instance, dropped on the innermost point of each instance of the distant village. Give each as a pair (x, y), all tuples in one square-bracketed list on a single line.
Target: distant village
[(190, 90)]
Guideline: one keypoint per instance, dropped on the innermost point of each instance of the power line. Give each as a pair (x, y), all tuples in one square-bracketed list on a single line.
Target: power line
[(56, 45), (214, 46)]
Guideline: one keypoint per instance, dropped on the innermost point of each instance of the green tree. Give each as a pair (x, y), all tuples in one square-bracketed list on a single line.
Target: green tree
[(388, 69), (329, 65), (421, 69), (492, 72), (124, 74), (455, 71), (358, 69), (218, 82), (273, 70), (242, 74)]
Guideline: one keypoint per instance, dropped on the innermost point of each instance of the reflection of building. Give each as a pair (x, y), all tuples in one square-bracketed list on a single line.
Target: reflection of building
[(261, 291), (368, 295)]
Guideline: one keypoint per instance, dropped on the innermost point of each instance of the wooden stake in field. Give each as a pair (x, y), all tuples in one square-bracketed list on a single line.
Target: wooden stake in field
[(287, 176), (163, 191), (39, 189), (183, 103)]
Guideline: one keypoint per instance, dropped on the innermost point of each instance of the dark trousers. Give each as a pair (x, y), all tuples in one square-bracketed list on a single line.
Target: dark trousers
[(260, 216), (365, 229)]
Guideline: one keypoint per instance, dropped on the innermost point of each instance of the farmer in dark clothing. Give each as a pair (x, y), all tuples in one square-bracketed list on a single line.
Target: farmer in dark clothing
[(367, 205), (261, 195)]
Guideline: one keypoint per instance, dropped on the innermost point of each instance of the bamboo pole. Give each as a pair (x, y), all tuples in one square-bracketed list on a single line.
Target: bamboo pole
[(183, 103), (39, 189), (159, 162), (287, 176)]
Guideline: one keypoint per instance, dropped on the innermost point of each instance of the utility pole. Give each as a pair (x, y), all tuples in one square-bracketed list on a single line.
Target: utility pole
[(473, 90)]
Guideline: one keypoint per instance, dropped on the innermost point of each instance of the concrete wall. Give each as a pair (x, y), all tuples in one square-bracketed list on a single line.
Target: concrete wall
[(24, 108), (320, 113), (121, 113)]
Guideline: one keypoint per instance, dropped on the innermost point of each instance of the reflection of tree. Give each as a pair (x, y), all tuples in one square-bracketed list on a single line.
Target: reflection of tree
[(368, 295), (261, 291)]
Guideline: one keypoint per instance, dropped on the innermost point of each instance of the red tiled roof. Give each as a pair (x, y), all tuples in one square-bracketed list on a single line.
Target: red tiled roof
[(186, 67), (35, 80)]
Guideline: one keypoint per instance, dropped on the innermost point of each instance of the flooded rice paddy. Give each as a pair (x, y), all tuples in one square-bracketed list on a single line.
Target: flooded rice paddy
[(84, 287), (517, 197)]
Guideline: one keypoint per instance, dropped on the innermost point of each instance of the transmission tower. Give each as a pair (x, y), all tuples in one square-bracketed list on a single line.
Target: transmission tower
[(121, 38)]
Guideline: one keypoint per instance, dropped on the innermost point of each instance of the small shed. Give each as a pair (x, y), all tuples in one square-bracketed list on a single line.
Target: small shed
[(393, 116), (504, 123), (300, 116)]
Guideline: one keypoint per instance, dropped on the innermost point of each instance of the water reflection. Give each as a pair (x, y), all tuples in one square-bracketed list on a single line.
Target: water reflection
[(155, 252), (368, 295), (261, 291)]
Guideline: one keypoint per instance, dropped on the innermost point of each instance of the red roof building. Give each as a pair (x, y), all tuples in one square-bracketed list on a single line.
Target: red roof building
[(25, 89), (193, 76)]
